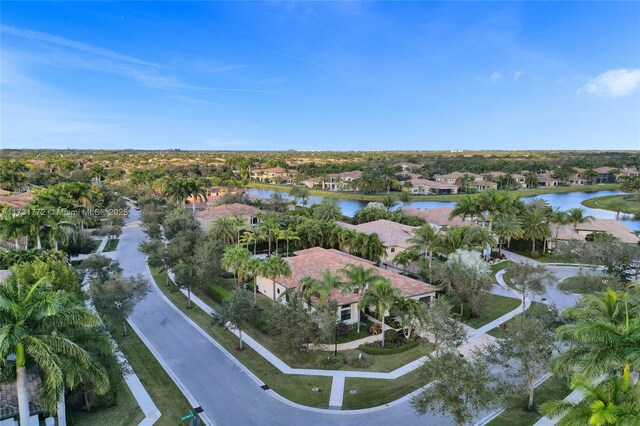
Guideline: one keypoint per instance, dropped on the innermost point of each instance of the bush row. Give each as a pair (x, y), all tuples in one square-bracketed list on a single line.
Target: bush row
[(220, 294), (378, 350)]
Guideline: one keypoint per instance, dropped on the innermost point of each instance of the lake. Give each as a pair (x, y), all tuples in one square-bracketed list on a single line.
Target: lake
[(563, 201)]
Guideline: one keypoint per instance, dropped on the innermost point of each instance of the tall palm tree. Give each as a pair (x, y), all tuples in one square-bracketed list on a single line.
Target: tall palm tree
[(608, 402), (617, 205), (177, 191), (197, 188), (359, 279), (381, 297), (274, 267), (426, 240), (531, 180), (576, 216), (466, 207), (493, 203), (328, 210), (558, 218), (253, 266), (234, 259), (37, 323), (270, 226), (535, 226), (224, 229), (389, 201), (13, 227), (506, 227), (289, 235), (321, 288), (603, 331), (368, 246)]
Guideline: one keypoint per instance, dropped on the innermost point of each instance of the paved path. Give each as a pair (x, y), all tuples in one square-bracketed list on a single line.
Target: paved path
[(208, 376)]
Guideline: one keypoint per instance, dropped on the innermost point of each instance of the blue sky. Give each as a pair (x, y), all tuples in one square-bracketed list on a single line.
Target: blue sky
[(333, 75)]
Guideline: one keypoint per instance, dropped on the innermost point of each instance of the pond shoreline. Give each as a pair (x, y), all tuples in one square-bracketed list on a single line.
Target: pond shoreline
[(603, 203), (379, 197)]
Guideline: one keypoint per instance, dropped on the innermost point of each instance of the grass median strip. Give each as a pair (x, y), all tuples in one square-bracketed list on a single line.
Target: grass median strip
[(374, 392), (296, 388)]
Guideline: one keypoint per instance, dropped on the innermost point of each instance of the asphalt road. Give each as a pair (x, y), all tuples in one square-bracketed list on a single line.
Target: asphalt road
[(225, 392)]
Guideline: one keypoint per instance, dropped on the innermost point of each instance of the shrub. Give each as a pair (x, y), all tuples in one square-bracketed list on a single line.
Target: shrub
[(374, 349), (535, 255), (358, 360), (392, 338), (331, 362), (220, 294), (375, 329), (343, 329)]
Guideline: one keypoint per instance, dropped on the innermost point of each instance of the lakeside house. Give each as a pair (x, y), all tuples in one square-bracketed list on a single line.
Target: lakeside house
[(312, 262), (617, 229), (426, 186), (438, 217), (518, 179), (393, 235), (274, 175), (545, 179), (479, 183), (248, 213)]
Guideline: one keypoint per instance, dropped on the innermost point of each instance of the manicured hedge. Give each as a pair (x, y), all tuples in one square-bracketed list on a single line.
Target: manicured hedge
[(377, 350), (218, 293)]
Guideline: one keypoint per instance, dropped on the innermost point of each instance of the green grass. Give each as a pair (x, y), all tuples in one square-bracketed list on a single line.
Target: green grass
[(496, 306), (126, 412), (296, 388), (374, 392), (499, 332), (111, 245), (312, 359), (456, 197), (630, 205), (553, 388), (500, 266)]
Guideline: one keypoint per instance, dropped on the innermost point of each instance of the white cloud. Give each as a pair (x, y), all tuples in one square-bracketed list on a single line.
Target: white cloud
[(495, 76), (517, 75), (613, 83)]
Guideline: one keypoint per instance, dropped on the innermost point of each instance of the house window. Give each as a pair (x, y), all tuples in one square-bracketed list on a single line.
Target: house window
[(278, 291), (345, 313), (393, 249)]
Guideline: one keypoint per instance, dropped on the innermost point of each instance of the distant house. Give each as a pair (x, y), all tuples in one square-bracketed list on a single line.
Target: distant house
[(274, 175), (311, 262), (341, 181), (612, 227), (247, 212), (393, 235), (519, 179), (605, 175), (627, 172), (438, 217), (426, 186), (407, 167), (479, 183), (545, 179), (576, 180)]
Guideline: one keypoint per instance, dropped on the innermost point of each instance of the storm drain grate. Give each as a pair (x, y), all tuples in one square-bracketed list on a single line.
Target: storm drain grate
[(265, 387)]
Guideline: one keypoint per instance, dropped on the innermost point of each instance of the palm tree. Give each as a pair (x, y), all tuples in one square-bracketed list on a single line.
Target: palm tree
[(603, 331), (494, 203), (320, 288), (382, 297), (234, 259), (327, 210), (559, 218), (368, 246), (466, 207), (389, 201), (411, 314), (253, 266), (36, 326), (506, 227), (270, 226), (197, 189), (531, 179), (426, 240), (224, 229), (590, 175), (631, 184), (289, 235), (535, 226), (617, 205), (576, 215), (273, 268), (608, 402), (13, 226), (177, 191), (358, 280), (465, 181)]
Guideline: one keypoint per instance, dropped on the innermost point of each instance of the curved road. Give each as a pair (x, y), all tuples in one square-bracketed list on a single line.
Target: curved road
[(225, 392)]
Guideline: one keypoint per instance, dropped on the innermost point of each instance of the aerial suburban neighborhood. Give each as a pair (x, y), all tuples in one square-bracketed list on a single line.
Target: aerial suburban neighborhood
[(319, 213)]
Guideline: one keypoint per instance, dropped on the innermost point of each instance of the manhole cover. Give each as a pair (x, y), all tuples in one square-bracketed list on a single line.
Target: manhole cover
[(353, 391), (315, 389)]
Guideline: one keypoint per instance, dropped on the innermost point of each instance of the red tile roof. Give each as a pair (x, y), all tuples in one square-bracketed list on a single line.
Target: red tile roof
[(311, 262), (225, 210), (391, 233), (438, 216)]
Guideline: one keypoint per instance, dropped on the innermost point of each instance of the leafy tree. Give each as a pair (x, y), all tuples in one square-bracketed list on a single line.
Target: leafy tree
[(99, 267), (207, 259), (36, 326), (529, 278), (178, 220), (156, 252), (590, 175), (58, 274), (461, 393), (186, 277), (631, 184), (381, 297), (234, 259), (524, 351), (117, 296), (370, 214), (236, 312), (466, 278), (445, 332), (411, 313)]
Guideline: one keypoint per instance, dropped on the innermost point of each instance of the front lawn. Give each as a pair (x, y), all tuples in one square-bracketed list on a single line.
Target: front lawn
[(296, 388), (495, 307), (497, 267), (374, 392), (111, 245), (125, 412), (517, 415)]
